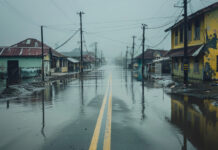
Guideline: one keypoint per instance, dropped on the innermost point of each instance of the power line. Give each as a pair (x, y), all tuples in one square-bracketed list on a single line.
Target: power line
[(117, 26), (108, 38), (67, 40), (19, 13), (117, 30), (60, 29), (133, 20), (190, 7), (85, 43), (59, 8), (164, 38), (158, 27), (160, 41), (117, 21)]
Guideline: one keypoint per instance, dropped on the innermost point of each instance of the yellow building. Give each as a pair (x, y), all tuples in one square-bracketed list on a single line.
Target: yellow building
[(202, 44)]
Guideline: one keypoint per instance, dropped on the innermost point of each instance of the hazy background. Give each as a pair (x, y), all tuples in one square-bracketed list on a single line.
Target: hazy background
[(111, 23)]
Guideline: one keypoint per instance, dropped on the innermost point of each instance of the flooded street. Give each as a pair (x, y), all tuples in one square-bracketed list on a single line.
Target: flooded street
[(74, 114)]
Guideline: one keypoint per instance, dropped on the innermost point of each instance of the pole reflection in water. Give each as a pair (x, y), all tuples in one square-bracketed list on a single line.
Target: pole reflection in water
[(143, 99), (8, 104), (82, 91), (43, 114), (132, 88), (184, 147), (126, 81), (96, 82)]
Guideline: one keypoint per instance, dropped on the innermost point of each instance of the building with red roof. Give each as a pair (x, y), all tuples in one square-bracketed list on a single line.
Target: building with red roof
[(24, 59)]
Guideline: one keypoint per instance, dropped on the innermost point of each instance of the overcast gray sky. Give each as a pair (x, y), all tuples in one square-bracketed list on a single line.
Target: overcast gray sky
[(111, 23)]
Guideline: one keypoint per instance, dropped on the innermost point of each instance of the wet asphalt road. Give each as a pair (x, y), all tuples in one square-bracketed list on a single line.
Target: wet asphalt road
[(107, 109)]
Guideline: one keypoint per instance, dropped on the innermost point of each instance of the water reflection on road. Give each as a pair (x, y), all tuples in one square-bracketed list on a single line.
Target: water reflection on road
[(198, 119), (64, 114)]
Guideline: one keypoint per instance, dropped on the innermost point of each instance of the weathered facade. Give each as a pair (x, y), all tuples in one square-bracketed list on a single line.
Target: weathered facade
[(73, 65), (149, 56), (24, 60), (162, 65), (88, 57), (202, 45)]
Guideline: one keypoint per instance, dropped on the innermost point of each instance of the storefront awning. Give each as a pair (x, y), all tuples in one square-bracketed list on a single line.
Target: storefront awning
[(192, 51), (72, 60)]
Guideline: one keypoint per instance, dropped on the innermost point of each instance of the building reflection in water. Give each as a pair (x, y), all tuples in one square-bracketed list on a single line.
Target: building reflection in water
[(43, 114), (82, 90), (198, 119)]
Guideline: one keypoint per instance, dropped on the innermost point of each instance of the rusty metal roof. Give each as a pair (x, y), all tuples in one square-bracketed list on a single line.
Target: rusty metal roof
[(11, 52), (180, 52), (196, 14), (88, 58), (29, 47), (150, 54)]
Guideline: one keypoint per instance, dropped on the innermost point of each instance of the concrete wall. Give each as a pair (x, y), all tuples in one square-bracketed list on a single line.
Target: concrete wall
[(192, 73), (211, 27), (28, 66)]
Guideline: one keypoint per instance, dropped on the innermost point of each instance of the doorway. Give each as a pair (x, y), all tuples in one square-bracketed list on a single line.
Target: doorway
[(13, 71)]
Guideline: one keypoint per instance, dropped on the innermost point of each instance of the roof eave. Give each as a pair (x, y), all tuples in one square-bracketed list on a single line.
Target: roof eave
[(196, 14)]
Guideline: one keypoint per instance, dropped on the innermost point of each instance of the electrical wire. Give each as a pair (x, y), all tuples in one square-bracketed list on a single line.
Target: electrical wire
[(115, 30), (190, 7), (164, 38), (67, 40), (158, 27), (85, 43), (133, 20), (60, 9), (138, 49), (60, 29), (12, 8), (118, 41)]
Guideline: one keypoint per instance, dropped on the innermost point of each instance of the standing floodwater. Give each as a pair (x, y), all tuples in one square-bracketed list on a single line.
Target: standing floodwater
[(65, 115)]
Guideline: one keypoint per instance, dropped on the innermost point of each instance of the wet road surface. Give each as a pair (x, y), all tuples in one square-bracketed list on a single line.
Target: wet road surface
[(108, 109)]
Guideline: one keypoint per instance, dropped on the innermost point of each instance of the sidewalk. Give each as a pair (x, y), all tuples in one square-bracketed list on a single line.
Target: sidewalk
[(196, 88)]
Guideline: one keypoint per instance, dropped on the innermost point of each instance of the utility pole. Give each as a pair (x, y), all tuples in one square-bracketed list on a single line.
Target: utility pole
[(96, 44), (143, 49), (81, 42), (133, 46), (185, 60), (42, 44), (127, 57)]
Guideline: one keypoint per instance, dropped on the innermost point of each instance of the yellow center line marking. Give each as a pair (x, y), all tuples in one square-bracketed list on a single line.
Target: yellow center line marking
[(94, 142), (107, 135)]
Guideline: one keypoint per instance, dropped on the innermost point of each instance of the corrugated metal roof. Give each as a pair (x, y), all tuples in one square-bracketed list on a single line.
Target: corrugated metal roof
[(6, 52), (162, 59), (192, 51), (150, 53), (73, 60), (29, 47)]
